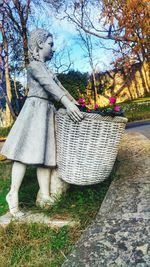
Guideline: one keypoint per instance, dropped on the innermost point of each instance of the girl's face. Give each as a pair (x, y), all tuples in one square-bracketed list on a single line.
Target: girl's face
[(48, 49)]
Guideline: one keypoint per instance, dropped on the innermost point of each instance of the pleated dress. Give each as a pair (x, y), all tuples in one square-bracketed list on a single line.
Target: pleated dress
[(32, 139)]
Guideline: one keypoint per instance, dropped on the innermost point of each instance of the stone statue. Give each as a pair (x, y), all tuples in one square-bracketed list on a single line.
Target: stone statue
[(32, 138)]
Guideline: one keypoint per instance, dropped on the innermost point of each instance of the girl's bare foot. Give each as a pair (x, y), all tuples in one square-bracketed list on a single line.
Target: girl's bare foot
[(44, 201), (12, 200)]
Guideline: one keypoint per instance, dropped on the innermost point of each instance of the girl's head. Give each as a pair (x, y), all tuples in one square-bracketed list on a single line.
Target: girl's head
[(40, 44)]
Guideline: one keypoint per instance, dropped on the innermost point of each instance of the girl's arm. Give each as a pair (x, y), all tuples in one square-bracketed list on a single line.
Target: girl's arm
[(40, 74), (66, 92)]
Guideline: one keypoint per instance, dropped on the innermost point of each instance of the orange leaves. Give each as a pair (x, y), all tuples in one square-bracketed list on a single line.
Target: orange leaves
[(123, 64), (132, 16), (132, 4), (136, 49)]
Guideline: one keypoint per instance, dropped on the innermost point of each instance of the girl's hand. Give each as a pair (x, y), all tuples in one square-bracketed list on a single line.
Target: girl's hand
[(72, 110), (74, 113)]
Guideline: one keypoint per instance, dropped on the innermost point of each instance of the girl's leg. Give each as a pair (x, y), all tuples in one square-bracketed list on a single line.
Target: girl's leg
[(57, 185), (51, 186), (18, 172), (43, 176), (43, 196)]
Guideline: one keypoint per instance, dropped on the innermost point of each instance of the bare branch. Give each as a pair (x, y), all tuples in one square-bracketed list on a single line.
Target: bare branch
[(110, 37), (8, 11), (27, 10), (60, 63)]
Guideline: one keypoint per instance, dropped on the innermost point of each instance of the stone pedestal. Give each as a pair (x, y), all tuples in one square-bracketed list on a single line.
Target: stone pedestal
[(40, 218)]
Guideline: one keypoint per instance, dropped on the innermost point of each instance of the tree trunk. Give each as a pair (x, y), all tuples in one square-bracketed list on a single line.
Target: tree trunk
[(130, 93), (94, 87), (25, 44), (146, 74), (25, 49), (10, 116), (15, 85), (146, 89)]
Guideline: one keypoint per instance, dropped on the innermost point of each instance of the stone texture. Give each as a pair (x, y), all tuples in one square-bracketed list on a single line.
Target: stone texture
[(120, 236), (37, 218), (141, 127)]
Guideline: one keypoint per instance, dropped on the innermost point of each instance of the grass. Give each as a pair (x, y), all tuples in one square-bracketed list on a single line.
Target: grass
[(34, 245), (138, 109), (139, 115), (39, 245)]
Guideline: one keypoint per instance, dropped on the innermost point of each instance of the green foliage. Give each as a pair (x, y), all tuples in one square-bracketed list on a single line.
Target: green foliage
[(74, 81), (16, 100), (4, 131), (14, 103), (103, 83)]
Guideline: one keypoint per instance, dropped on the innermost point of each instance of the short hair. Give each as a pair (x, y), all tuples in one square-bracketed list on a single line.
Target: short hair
[(35, 37)]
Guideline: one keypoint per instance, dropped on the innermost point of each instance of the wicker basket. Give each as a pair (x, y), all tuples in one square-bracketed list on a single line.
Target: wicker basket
[(86, 151)]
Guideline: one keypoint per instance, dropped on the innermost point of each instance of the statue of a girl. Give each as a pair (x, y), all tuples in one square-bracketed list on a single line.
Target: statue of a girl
[(32, 138)]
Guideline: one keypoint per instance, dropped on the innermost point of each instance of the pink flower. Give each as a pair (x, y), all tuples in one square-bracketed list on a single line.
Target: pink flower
[(96, 106), (88, 110), (112, 100), (117, 108), (83, 105), (81, 101)]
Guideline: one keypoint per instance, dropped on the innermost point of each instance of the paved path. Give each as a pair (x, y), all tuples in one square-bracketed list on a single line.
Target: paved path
[(120, 236), (143, 129)]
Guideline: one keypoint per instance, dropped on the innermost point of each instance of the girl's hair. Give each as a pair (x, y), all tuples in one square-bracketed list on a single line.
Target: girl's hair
[(36, 37)]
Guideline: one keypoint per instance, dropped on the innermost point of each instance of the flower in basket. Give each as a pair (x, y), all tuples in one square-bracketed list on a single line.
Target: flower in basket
[(112, 110), (96, 106), (81, 101), (117, 108), (112, 100), (82, 105)]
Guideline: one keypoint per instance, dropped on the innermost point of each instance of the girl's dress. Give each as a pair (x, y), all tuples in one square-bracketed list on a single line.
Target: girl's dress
[(32, 139)]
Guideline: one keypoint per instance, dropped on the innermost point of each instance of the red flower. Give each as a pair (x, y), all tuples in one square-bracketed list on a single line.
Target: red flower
[(112, 100), (81, 101), (96, 106), (117, 108)]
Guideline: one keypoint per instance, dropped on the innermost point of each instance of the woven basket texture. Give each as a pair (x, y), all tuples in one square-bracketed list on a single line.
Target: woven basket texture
[(86, 151)]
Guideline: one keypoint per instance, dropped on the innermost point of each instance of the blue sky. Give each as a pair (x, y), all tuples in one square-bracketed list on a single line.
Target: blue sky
[(102, 57), (65, 37)]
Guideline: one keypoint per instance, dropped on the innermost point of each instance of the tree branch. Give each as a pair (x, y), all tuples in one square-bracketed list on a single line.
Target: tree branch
[(110, 37), (10, 15), (27, 10)]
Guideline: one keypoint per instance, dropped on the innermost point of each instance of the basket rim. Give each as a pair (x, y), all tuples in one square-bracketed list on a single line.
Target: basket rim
[(92, 116)]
